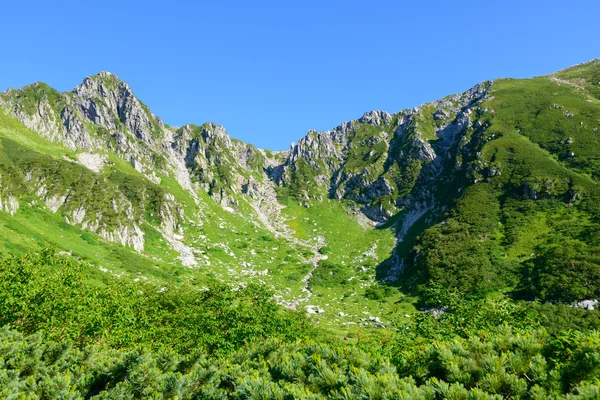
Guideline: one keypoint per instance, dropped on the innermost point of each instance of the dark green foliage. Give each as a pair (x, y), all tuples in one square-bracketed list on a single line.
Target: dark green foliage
[(467, 317), (89, 237), (379, 292), (566, 271), (505, 365), (325, 250), (558, 318), (45, 293), (36, 368), (328, 274), (302, 182), (460, 253), (511, 365), (564, 265)]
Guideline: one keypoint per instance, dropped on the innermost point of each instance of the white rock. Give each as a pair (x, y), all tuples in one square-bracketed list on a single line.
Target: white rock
[(587, 304), (94, 162)]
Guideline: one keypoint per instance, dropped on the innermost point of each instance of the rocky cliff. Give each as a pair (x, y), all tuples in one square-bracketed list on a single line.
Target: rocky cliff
[(102, 117)]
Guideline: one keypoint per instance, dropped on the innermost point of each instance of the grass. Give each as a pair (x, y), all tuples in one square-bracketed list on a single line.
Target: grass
[(539, 109), (354, 253)]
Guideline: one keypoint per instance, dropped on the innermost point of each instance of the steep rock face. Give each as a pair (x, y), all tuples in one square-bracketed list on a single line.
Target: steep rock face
[(106, 101), (377, 160), (216, 163), (102, 115)]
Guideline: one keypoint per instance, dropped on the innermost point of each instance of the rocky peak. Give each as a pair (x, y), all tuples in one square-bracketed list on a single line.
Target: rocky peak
[(212, 132), (325, 146), (209, 140), (376, 118), (104, 100), (367, 164), (101, 85)]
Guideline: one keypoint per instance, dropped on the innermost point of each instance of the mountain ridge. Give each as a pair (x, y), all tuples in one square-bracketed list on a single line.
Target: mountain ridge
[(106, 73), (382, 199)]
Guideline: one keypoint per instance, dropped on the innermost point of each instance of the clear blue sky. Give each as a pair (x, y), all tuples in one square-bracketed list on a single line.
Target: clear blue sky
[(270, 71)]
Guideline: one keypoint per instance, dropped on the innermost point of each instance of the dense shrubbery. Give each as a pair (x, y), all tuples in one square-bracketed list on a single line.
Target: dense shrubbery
[(558, 318), (461, 252), (566, 271), (50, 294), (379, 292), (329, 274), (67, 338), (503, 365), (544, 249)]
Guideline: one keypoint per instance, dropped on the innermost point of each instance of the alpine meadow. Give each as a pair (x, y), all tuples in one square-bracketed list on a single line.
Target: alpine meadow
[(448, 251)]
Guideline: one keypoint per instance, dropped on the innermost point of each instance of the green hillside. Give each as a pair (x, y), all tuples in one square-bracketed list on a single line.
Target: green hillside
[(436, 252), (528, 226)]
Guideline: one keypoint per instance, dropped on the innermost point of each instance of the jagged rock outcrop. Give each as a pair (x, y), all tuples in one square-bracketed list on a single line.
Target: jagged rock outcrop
[(377, 160), (103, 114), (384, 163), (377, 118)]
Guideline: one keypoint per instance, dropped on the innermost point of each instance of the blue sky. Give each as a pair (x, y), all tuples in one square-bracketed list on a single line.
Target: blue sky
[(270, 71)]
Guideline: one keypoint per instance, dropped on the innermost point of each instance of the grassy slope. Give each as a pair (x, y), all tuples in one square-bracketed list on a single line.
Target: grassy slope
[(358, 250), (530, 114), (546, 149)]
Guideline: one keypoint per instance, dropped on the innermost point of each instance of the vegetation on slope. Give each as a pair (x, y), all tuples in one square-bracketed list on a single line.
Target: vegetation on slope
[(517, 216), (65, 338), (527, 224), (51, 294)]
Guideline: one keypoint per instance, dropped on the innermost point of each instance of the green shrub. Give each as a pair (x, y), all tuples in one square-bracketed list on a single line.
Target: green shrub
[(565, 271), (328, 274), (379, 292), (325, 250), (51, 294)]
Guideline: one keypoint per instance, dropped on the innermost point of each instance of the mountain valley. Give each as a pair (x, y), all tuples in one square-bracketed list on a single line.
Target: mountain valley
[(468, 192), (448, 251)]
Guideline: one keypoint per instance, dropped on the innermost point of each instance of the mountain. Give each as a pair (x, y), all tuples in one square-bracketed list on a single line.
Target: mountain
[(494, 190)]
